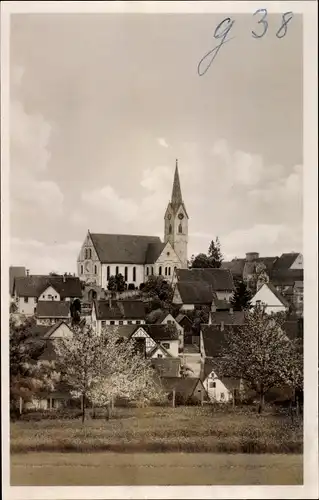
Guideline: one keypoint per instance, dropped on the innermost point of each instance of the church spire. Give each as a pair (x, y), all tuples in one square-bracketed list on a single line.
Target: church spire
[(176, 192)]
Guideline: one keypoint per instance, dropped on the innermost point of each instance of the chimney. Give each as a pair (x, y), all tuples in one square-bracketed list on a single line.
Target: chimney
[(64, 278), (213, 308), (28, 272), (221, 326)]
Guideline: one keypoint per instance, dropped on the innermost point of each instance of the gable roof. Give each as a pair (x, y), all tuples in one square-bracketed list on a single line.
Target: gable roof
[(214, 338), (277, 294), (161, 332), (286, 277), (183, 317), (162, 316), (153, 252), (167, 367), (208, 366), (184, 387), (195, 292), (234, 318), (120, 309), (125, 331), (285, 261), (236, 266), (34, 285), (15, 272), (160, 348), (122, 248), (52, 309), (219, 279), (53, 328)]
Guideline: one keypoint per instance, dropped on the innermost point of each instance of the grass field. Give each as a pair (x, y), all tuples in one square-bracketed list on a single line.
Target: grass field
[(183, 429), (114, 469)]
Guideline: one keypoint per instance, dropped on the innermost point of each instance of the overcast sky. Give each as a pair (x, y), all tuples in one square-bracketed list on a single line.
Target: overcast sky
[(102, 104)]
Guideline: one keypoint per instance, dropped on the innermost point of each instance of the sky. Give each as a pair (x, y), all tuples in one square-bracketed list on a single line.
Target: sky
[(103, 104)]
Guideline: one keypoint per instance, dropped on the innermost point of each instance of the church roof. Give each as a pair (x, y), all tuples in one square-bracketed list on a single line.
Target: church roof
[(176, 191), (123, 248), (154, 250)]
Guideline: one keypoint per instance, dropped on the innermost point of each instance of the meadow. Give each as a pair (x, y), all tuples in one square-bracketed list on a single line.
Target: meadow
[(157, 429)]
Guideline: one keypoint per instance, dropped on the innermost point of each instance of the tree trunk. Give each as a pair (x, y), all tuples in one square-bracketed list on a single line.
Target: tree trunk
[(261, 402), (83, 408), (173, 399), (108, 411), (20, 405)]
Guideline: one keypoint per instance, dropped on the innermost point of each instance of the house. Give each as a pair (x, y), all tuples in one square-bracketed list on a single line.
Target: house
[(120, 312), (29, 290), (167, 367), (219, 389), (202, 285), (284, 272), (167, 319), (269, 296), (134, 256), (49, 312), (187, 390), (212, 339), (166, 336), (227, 317)]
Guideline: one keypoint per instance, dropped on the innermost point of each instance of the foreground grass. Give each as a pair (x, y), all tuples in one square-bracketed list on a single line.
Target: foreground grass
[(98, 469), (183, 429)]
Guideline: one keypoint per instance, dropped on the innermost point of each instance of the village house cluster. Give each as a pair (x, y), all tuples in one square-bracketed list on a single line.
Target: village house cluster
[(169, 341)]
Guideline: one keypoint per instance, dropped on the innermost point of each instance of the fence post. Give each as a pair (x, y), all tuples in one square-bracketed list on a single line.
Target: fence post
[(173, 400)]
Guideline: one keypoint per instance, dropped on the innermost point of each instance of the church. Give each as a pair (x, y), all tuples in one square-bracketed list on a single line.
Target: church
[(137, 257)]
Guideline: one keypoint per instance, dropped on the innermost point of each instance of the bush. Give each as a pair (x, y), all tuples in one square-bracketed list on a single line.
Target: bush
[(131, 286)]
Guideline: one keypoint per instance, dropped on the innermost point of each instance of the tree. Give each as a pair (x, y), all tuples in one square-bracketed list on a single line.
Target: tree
[(240, 300), (117, 283), (260, 354), (75, 310), (159, 291), (28, 376), (214, 254), (200, 261), (78, 360)]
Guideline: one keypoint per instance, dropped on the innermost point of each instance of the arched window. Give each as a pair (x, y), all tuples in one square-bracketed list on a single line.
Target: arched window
[(147, 271), (85, 253), (90, 253), (180, 229), (116, 270), (169, 271), (81, 270), (152, 270), (160, 270), (95, 269), (170, 229), (108, 272), (134, 273), (125, 273), (165, 271)]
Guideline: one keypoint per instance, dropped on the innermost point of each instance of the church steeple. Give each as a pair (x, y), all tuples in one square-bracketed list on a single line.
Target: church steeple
[(176, 221), (176, 199)]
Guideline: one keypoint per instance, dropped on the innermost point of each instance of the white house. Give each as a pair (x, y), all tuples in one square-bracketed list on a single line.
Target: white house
[(221, 390), (117, 313), (28, 290), (134, 256), (49, 312), (167, 319), (268, 296), (165, 335)]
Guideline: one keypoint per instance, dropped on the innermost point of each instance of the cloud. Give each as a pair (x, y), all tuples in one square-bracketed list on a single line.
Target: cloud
[(162, 142), (30, 188), (42, 258), (107, 200)]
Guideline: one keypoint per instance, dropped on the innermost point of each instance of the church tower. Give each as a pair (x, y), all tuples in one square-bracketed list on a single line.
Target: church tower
[(176, 221)]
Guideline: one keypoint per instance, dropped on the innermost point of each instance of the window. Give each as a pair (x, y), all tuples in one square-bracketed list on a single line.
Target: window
[(147, 271), (166, 345), (159, 356), (108, 272), (137, 322), (112, 322), (212, 385), (165, 271), (170, 229), (103, 323), (120, 322), (152, 270), (55, 296), (222, 395), (95, 269), (160, 270), (129, 322), (26, 299), (81, 270), (180, 229), (125, 273), (116, 270), (169, 321), (89, 253), (169, 271), (134, 273), (34, 310)]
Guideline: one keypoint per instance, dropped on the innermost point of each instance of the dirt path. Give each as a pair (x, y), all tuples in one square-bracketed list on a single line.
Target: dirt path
[(111, 469)]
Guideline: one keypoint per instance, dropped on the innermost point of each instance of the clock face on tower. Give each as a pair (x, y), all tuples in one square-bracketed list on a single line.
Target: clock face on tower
[(180, 216)]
